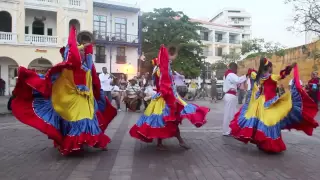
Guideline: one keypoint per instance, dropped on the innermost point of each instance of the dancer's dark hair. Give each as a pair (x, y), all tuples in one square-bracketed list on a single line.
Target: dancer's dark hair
[(264, 66), (233, 65)]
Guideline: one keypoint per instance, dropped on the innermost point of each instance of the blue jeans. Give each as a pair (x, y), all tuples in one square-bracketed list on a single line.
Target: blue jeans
[(108, 94)]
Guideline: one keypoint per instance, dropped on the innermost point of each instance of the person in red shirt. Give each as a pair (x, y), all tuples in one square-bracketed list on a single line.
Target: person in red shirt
[(313, 87)]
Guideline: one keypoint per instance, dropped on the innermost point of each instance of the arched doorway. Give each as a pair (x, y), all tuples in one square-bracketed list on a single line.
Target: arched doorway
[(6, 22), (9, 73), (75, 23), (38, 27), (40, 65)]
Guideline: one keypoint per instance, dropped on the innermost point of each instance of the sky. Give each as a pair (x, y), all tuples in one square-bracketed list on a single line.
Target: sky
[(270, 18)]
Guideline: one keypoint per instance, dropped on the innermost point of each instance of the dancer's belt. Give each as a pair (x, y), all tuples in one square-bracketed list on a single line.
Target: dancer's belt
[(232, 91)]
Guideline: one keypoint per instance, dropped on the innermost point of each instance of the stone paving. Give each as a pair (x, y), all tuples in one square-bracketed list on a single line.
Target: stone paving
[(26, 154)]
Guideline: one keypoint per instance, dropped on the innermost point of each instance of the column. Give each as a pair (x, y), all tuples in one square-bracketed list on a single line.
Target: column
[(21, 22)]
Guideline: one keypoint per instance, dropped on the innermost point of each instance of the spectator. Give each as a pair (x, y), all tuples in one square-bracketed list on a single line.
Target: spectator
[(179, 82), (106, 80), (2, 87), (214, 94), (115, 93), (133, 96), (123, 85), (313, 87), (9, 102), (242, 91)]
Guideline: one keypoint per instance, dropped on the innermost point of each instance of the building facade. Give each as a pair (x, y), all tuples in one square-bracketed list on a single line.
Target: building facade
[(116, 28), (219, 40), (33, 31), (235, 17)]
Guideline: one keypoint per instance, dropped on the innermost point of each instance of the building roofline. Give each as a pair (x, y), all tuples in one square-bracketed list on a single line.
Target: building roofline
[(214, 24), (116, 5), (229, 9)]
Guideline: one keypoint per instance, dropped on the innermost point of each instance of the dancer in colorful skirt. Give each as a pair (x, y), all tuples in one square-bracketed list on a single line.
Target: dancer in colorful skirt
[(166, 109), (66, 103), (265, 114)]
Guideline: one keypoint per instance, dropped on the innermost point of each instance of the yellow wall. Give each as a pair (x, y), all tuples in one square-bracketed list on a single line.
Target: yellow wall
[(305, 62), (23, 55)]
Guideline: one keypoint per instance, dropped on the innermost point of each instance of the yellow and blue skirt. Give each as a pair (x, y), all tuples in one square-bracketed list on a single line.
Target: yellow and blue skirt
[(67, 113), (153, 124), (262, 125)]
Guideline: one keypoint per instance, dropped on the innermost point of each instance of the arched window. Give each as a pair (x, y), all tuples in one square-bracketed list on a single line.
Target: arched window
[(6, 22), (38, 27)]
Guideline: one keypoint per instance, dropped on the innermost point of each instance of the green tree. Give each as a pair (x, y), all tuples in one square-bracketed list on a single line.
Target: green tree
[(258, 47), (306, 17), (231, 57), (168, 27), (252, 46)]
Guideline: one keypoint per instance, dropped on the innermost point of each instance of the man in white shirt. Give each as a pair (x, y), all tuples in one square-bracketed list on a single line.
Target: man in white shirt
[(290, 83), (106, 80), (230, 83)]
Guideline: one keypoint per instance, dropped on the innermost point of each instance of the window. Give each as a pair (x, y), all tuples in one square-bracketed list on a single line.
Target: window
[(49, 31), (100, 27), (121, 55), (218, 37), (204, 35), (121, 29), (26, 30), (234, 11), (38, 27), (100, 54), (219, 51)]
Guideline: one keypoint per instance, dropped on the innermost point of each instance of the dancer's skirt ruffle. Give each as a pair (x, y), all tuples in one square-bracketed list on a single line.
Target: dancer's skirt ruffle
[(268, 138), (153, 123), (32, 106)]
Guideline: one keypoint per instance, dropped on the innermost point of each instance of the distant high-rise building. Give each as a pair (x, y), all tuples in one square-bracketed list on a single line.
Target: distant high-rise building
[(235, 17)]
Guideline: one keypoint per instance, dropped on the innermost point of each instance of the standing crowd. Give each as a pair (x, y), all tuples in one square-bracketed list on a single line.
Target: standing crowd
[(133, 92)]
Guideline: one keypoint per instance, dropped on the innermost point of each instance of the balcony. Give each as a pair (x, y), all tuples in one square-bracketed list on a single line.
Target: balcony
[(121, 59), (42, 4), (117, 39), (8, 37), (40, 39), (234, 41), (221, 40), (76, 4), (207, 53)]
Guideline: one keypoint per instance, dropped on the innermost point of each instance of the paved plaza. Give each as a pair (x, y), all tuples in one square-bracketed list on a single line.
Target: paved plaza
[(26, 154)]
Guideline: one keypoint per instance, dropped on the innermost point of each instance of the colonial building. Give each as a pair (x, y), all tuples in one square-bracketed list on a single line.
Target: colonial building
[(33, 31), (116, 28)]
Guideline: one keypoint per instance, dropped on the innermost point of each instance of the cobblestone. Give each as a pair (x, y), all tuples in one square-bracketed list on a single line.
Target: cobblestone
[(26, 154)]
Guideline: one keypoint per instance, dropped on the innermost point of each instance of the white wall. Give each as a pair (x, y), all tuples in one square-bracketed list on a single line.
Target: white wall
[(132, 19), (50, 22)]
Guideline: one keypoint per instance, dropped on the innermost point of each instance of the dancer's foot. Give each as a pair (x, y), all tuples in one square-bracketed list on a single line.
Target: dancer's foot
[(226, 134), (185, 146), (161, 147)]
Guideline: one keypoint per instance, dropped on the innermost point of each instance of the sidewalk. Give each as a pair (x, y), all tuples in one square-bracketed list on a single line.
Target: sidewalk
[(3, 105), (27, 154)]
